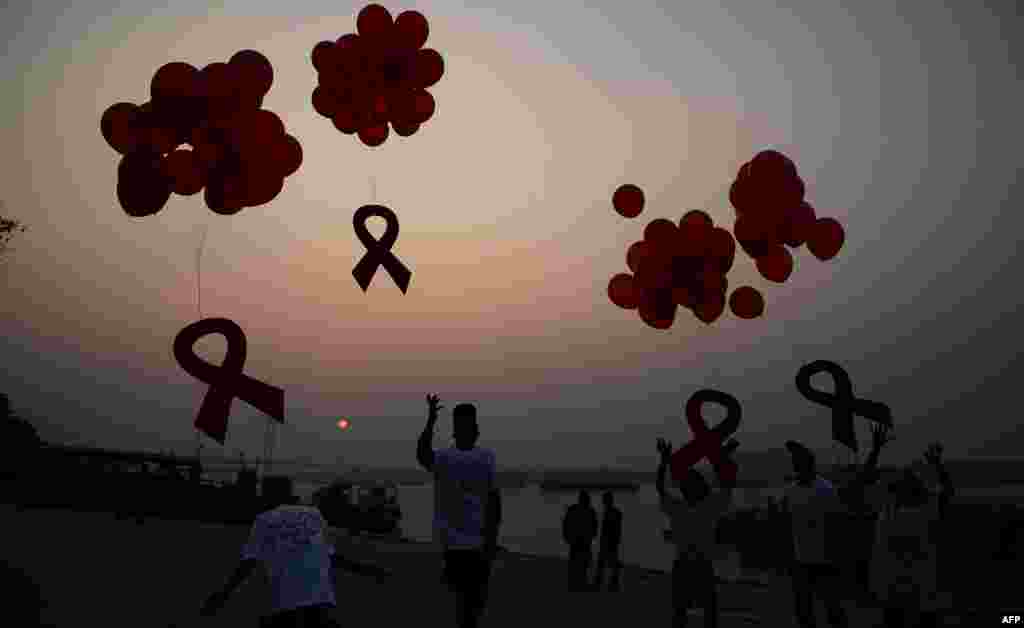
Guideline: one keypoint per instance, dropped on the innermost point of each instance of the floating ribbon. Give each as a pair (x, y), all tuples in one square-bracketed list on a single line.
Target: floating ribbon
[(378, 252), (707, 443), (226, 381), (844, 405)]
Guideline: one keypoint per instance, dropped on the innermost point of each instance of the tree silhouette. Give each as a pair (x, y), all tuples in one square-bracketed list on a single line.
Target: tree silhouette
[(8, 227)]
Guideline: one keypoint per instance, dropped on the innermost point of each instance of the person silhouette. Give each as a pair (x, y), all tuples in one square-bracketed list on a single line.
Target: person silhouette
[(579, 527), (611, 538), (694, 521), (467, 508), (807, 503), (909, 543), (289, 540)]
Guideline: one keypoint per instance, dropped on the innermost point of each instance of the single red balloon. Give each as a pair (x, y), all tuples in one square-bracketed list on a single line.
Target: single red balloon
[(143, 188), (261, 190), (799, 223), (174, 81), (662, 233), (696, 216), (628, 200), (374, 135), (429, 67), (826, 238), (255, 70), (772, 164), (412, 29), (746, 302), (323, 101), (657, 309), (636, 253), (776, 265), (623, 291), (287, 154), (423, 106), (320, 55), (710, 309), (722, 247), (754, 234), (404, 129), (119, 126), (373, 20)]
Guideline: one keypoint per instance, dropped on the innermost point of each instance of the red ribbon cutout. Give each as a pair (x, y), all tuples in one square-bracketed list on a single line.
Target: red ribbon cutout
[(707, 443), (226, 381)]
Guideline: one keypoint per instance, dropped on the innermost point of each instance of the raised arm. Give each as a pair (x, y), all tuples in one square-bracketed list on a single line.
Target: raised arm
[(425, 445), (665, 453)]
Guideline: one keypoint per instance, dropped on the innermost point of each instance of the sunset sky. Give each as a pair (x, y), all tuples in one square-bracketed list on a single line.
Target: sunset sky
[(905, 126)]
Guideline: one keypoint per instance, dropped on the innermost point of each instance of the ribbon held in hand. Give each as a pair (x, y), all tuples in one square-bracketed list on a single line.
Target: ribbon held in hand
[(844, 405), (378, 252), (226, 381), (708, 443)]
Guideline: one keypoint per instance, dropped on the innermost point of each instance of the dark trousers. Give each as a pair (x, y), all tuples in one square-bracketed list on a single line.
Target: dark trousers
[(580, 557), (817, 580), (693, 583), (468, 574), (316, 616), (607, 558)]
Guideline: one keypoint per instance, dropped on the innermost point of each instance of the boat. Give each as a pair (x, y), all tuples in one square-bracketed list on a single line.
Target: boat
[(370, 507)]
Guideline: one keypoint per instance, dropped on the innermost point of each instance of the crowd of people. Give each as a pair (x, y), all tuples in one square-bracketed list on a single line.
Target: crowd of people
[(892, 557)]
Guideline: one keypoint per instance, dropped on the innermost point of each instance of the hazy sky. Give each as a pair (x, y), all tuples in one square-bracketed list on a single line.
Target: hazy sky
[(905, 127)]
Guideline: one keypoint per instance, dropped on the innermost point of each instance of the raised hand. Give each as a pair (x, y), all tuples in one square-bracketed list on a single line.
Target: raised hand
[(434, 405), (934, 454), (879, 435), (664, 449)]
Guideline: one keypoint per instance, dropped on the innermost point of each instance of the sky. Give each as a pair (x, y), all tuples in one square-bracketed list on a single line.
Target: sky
[(904, 124)]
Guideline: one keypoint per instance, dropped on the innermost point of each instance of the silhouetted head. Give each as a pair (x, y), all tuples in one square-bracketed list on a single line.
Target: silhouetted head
[(466, 430), (693, 486), (803, 461), (277, 491), (584, 497), (608, 499)]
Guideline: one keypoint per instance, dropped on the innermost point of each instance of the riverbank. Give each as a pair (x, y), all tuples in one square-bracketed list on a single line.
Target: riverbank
[(91, 567)]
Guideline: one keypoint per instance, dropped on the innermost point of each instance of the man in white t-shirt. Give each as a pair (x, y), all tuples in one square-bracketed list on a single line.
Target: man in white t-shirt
[(467, 508), (694, 519), (289, 541), (807, 503)]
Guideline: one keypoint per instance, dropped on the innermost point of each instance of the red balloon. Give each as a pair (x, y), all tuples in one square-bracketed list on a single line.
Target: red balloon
[(772, 164), (713, 284), (655, 271), (256, 131), (348, 43), (142, 186), (429, 67), (185, 172), (746, 302), (262, 189), (636, 253), (686, 296), (374, 135), (174, 81), (254, 69), (321, 55), (412, 29), (423, 106), (696, 216), (722, 248), (404, 129), (755, 234), (710, 309), (742, 195), (799, 222), (776, 265), (624, 291), (287, 155), (345, 121), (324, 101), (657, 309), (826, 238), (119, 125), (373, 20), (662, 233), (628, 200)]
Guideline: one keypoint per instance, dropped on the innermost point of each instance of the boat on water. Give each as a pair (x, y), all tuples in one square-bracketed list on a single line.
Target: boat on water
[(360, 507)]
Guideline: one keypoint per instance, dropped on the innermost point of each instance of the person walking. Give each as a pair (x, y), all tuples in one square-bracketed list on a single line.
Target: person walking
[(467, 508)]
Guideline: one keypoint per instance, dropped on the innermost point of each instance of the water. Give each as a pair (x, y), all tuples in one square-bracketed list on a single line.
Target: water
[(532, 519)]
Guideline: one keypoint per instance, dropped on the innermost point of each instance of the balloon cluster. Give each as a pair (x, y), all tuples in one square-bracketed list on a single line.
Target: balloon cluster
[(768, 196), (678, 265), (237, 151), (378, 76)]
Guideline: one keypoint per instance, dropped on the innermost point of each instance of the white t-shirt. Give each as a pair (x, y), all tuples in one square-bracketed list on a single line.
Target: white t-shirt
[(291, 542), (809, 506), (695, 525), (462, 482), (895, 573)]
